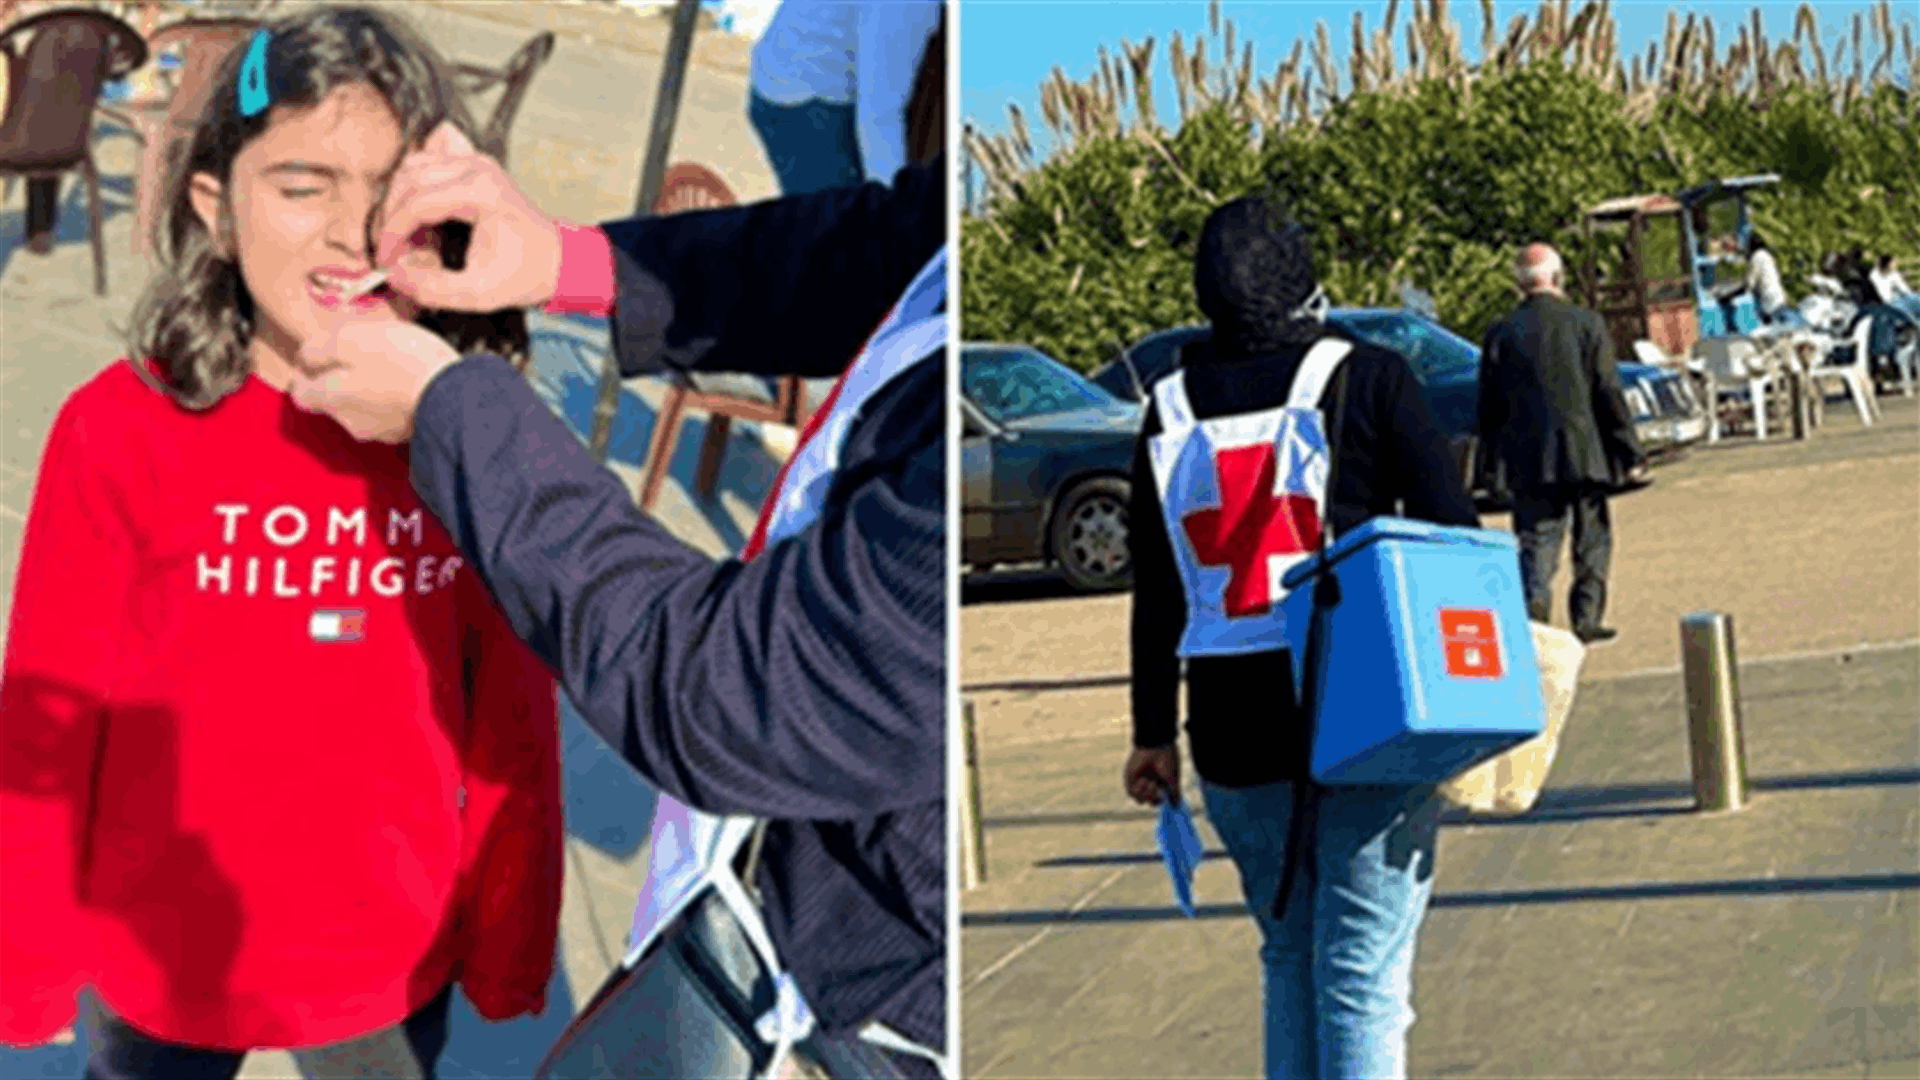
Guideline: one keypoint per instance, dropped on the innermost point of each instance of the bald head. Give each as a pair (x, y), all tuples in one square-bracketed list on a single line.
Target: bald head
[(1538, 269)]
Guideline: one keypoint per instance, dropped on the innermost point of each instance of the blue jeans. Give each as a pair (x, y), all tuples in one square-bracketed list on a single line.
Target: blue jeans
[(1339, 968), (1785, 316), (811, 145)]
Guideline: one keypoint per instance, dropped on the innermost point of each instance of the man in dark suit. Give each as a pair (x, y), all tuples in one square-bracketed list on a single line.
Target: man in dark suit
[(1552, 413), (804, 686)]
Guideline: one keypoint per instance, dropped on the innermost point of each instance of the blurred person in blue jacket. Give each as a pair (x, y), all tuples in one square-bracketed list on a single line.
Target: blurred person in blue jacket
[(834, 86)]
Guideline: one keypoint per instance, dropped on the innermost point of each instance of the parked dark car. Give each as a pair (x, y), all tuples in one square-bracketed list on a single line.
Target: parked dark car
[(1045, 460), (1667, 411)]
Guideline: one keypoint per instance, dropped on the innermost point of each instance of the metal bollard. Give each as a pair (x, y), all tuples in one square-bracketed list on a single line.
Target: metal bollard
[(973, 837), (1802, 409), (1713, 711)]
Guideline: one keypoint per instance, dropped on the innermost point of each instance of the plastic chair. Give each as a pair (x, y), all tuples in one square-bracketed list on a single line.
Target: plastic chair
[(1730, 365), (1856, 375), (206, 42), (53, 80), (1654, 356), (515, 78), (687, 186)]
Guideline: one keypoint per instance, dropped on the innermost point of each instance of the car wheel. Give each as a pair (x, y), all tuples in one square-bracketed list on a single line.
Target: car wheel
[(1089, 538)]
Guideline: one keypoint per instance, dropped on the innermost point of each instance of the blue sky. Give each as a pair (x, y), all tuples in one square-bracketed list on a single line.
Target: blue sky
[(1008, 47)]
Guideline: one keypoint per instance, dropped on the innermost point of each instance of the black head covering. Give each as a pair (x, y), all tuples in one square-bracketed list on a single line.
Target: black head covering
[(1253, 276)]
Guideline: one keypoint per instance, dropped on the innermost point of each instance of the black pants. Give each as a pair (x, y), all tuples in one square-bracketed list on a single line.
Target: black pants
[(120, 1052), (1540, 520)]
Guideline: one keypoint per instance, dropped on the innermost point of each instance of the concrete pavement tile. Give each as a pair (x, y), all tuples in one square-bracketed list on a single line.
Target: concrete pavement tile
[(269, 1065), (611, 883), (1857, 1071), (1024, 718), (1841, 1037), (586, 954), (11, 530), (1147, 990), (1664, 1051), (1048, 640)]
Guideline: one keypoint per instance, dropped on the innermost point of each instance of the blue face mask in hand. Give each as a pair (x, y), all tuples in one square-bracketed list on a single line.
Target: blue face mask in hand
[(1181, 850)]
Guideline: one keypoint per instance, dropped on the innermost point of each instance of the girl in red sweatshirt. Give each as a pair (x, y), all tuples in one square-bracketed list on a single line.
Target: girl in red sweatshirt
[(274, 772)]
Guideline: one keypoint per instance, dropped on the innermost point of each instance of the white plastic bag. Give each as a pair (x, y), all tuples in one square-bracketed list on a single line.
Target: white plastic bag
[(1511, 783)]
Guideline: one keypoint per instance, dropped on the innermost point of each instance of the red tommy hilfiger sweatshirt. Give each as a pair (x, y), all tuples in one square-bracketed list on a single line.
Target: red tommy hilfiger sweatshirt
[(273, 768)]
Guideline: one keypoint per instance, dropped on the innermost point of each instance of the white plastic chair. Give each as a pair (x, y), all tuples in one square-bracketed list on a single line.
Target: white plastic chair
[(1734, 369), (1653, 355), (1856, 376)]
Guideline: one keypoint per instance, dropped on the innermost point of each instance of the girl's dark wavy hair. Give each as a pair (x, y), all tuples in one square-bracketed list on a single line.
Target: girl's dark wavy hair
[(196, 318)]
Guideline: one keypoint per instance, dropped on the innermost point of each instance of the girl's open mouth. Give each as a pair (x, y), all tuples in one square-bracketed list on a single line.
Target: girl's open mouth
[(362, 292)]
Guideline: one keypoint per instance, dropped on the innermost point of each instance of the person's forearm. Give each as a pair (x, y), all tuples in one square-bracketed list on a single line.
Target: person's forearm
[(790, 286), (776, 688)]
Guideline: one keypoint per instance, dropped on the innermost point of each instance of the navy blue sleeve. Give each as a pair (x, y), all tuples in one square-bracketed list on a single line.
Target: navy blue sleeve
[(807, 684), (789, 286)]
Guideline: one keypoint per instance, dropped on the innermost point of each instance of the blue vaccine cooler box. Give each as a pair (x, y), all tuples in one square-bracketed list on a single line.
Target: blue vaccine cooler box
[(1430, 668)]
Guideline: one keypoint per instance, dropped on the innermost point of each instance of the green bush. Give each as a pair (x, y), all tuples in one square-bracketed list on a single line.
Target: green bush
[(1433, 181)]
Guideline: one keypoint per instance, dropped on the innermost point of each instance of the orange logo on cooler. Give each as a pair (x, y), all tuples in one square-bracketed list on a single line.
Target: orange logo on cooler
[(1472, 641)]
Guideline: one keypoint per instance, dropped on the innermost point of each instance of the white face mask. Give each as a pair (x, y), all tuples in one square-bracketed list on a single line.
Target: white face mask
[(1314, 308)]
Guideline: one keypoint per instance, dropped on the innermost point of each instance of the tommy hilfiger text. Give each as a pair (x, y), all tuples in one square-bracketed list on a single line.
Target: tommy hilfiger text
[(292, 576)]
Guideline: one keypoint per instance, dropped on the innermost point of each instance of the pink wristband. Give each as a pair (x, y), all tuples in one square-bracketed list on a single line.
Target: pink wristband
[(586, 284)]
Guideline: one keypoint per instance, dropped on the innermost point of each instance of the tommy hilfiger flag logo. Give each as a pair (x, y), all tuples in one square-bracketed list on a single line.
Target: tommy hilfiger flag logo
[(337, 625)]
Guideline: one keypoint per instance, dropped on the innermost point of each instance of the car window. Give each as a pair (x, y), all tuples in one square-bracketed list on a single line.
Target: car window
[(1016, 383), (1436, 353), (1155, 356), (1114, 379)]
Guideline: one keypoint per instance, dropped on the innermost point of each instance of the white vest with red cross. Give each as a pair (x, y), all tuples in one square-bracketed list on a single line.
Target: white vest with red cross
[(1244, 497)]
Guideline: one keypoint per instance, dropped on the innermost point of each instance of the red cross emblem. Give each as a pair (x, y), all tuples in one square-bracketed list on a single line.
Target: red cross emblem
[(1251, 524)]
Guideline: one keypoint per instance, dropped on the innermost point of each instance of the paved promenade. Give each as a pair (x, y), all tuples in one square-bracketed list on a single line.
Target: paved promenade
[(1612, 932)]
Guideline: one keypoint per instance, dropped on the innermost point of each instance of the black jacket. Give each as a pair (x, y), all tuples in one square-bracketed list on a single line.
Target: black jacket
[(806, 686), (1243, 723), (1551, 408)]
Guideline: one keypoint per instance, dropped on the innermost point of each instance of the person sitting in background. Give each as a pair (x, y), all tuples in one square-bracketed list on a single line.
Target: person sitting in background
[(1763, 277), (1888, 282)]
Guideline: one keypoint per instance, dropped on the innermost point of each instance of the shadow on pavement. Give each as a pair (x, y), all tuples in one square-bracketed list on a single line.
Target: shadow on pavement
[(1016, 586), (478, 1050), (1556, 804), (609, 806), (70, 220), (1753, 888), (567, 365)]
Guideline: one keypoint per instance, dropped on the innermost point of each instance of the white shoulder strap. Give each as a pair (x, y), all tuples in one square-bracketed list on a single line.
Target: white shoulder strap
[(1170, 394), (1316, 368)]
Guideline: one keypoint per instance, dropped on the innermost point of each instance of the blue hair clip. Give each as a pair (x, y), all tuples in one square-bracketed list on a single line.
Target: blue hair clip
[(254, 98)]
